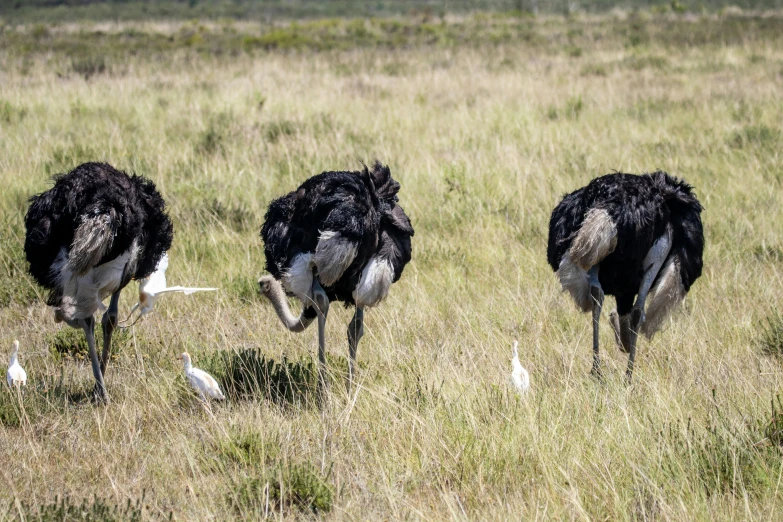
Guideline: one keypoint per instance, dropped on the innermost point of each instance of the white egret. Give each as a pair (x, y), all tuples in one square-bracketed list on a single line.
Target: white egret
[(201, 381), (520, 379), (16, 374), (152, 287)]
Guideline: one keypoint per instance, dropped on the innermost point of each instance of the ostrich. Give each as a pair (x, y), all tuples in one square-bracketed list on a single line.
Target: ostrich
[(87, 237), (340, 236), (628, 236)]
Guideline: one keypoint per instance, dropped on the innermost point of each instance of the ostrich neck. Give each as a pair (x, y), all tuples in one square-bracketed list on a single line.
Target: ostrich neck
[(280, 304), (13, 358), (188, 366)]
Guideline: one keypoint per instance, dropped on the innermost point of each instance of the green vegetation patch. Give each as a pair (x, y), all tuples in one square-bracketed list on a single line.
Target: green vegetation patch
[(98, 509), (298, 486), (755, 136), (248, 448), (770, 341), (249, 374), (67, 342), (17, 286), (728, 458)]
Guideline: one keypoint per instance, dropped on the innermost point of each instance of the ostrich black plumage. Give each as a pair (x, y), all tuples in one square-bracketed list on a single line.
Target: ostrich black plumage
[(87, 237), (341, 236), (630, 236)]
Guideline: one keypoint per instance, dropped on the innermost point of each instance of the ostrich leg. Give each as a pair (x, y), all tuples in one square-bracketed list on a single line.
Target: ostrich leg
[(653, 262), (109, 323), (597, 296), (88, 324), (622, 330), (355, 333), (322, 309)]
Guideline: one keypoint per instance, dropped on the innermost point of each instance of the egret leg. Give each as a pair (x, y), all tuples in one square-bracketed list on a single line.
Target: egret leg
[(109, 323), (597, 298), (322, 309), (88, 324), (355, 333), (653, 262)]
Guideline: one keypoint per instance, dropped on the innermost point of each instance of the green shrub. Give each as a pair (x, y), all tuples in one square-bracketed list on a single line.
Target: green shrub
[(638, 63), (299, 486), (273, 130), (574, 107), (16, 285), (39, 31), (235, 215), (70, 342), (771, 339), (768, 253), (243, 288), (10, 113), (10, 407), (217, 132), (248, 448), (89, 66), (97, 510), (249, 374), (755, 136), (731, 459)]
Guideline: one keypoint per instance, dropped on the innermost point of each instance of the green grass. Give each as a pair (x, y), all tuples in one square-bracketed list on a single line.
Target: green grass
[(133, 10), (97, 510), (486, 120)]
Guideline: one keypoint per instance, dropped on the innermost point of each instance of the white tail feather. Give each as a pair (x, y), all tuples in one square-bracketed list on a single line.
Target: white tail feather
[(333, 255), (597, 238), (667, 293)]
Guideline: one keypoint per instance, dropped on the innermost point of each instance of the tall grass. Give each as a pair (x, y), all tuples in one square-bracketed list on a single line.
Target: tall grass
[(484, 136)]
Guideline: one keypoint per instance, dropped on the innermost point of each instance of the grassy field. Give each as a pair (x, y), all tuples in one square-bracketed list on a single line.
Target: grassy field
[(53, 11), (486, 120)]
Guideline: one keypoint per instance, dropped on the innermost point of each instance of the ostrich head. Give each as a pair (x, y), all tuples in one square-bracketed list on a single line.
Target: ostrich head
[(273, 290), (267, 284)]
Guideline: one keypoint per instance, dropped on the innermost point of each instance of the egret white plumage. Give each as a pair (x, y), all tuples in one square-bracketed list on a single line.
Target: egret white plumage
[(201, 381), (16, 376), (152, 287), (520, 379), (87, 237)]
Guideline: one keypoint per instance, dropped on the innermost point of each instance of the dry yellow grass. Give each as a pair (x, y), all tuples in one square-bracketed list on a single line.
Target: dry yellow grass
[(484, 141)]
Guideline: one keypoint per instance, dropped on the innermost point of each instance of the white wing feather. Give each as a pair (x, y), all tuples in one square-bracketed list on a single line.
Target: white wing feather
[(184, 289), (520, 379), (205, 383), (155, 285), (16, 375), (156, 282)]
